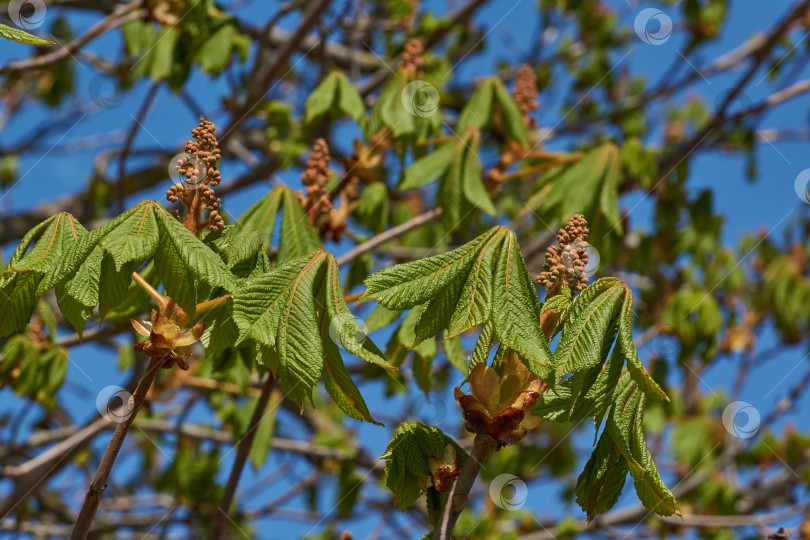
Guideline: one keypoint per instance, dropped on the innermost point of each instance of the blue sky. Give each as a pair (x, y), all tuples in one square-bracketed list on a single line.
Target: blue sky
[(747, 207)]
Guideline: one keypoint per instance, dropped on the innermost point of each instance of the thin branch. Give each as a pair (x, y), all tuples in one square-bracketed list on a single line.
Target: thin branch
[(266, 77), (99, 483), (137, 122), (121, 16), (483, 446), (390, 234), (759, 56), (218, 521)]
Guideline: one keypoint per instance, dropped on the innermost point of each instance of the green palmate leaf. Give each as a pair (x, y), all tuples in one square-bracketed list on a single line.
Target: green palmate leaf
[(478, 111), (589, 326), (298, 309), (407, 473), (8, 32), (634, 364), (428, 168), (320, 101), (34, 267), (511, 117), (483, 281), (620, 449), (334, 94), (94, 268), (587, 187), (598, 320), (298, 236)]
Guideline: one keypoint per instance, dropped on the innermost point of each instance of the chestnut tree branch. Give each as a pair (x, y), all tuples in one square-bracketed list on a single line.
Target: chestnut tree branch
[(91, 501), (483, 446)]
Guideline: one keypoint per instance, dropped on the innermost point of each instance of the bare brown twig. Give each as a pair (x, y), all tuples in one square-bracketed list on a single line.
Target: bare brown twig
[(91, 500), (243, 449)]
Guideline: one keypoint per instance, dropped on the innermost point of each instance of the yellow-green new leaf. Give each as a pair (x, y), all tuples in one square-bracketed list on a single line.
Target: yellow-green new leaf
[(23, 37)]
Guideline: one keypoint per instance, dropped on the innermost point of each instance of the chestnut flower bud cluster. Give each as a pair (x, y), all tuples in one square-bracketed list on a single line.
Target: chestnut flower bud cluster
[(202, 175), (566, 262)]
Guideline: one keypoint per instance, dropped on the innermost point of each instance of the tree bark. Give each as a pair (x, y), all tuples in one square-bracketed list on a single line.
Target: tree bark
[(483, 446)]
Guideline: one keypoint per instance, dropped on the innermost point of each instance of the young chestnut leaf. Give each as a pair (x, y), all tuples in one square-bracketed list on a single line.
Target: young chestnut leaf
[(298, 237), (408, 460), (298, 309), (93, 268), (484, 280)]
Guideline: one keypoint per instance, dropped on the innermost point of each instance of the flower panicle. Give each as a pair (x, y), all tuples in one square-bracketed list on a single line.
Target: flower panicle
[(199, 165), (566, 262)]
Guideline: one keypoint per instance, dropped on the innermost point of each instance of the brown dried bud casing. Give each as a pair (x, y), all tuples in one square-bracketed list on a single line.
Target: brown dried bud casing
[(501, 400), (444, 469)]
